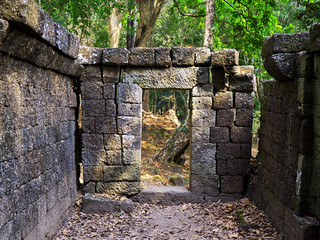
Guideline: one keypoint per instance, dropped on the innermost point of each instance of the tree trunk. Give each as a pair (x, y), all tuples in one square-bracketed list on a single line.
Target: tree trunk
[(209, 28), (175, 146), (149, 11), (131, 24), (145, 100), (115, 28)]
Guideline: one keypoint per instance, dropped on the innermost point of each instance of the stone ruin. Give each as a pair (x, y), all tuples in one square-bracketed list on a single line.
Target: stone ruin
[(45, 77)]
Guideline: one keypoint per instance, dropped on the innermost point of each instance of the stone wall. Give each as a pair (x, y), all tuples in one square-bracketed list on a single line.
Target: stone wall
[(287, 185), (37, 122), (221, 116)]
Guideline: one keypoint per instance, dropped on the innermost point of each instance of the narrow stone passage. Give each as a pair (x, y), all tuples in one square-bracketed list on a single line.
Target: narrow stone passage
[(234, 220)]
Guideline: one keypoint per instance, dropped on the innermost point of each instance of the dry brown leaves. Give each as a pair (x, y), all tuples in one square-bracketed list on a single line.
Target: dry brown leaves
[(187, 221)]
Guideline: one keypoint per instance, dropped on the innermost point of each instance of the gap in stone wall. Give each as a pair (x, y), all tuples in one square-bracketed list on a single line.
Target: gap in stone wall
[(166, 115)]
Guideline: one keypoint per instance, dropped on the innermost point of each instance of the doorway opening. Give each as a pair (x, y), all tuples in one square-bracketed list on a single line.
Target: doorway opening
[(165, 145)]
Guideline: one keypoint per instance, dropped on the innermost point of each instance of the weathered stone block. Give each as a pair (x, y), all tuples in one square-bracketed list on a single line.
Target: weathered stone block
[(109, 91), (315, 37), (110, 74), (93, 157), (203, 56), (225, 57), (219, 134), (225, 118), (113, 157), (92, 141), (246, 150), (231, 184), (129, 93), (281, 66), (91, 74), (90, 187), (105, 125), (129, 125), (305, 91), (227, 151), (201, 103), (88, 124), (238, 166), (244, 117), (112, 141), (203, 118), (92, 173), (285, 43), (115, 56), (4, 30), (204, 186), (163, 57), (203, 152), (242, 82), (203, 90), (119, 188), (121, 173), (204, 168), (142, 57), (93, 108), (241, 70), (131, 156), (241, 134), (223, 100), (182, 56), (305, 67), (128, 109), (111, 108), (244, 100), (91, 90), (131, 142), (200, 134), (222, 168), (48, 29), (89, 55)]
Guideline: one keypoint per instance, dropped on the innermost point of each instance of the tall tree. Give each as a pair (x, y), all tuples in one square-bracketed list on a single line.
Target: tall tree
[(115, 26), (209, 27)]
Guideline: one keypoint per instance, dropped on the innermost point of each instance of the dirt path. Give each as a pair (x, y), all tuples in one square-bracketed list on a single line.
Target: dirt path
[(187, 221)]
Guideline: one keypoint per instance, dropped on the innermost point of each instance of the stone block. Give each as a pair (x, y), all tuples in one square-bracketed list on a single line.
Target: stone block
[(131, 142), (93, 108), (200, 134), (92, 141), (128, 109), (315, 37), (203, 90), (225, 118), (182, 56), (281, 66), (115, 56), (227, 151), (4, 30), (111, 108), (244, 100), (110, 74), (242, 83), (119, 188), (246, 150), (222, 168), (238, 166), (218, 75), (225, 57), (89, 187), (201, 103), (93, 157), (244, 117), (203, 152), (129, 93), (203, 118), (241, 70), (121, 173), (223, 100), (231, 184), (131, 156), (285, 43), (163, 57), (203, 186), (305, 66), (88, 124), (48, 28), (142, 57), (241, 134), (105, 125), (219, 134), (203, 56), (305, 91), (91, 90), (109, 91), (112, 141), (91, 74), (113, 157), (130, 125), (204, 168), (89, 55), (92, 173)]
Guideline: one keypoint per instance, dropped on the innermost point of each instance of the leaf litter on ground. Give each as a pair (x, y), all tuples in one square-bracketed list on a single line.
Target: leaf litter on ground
[(206, 220)]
